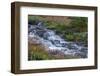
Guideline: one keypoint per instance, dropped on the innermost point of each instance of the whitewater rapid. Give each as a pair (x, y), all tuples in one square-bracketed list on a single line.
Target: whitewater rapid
[(53, 42)]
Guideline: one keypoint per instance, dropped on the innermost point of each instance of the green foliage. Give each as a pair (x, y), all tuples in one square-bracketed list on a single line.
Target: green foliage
[(38, 56), (50, 25), (34, 19), (37, 52), (77, 37), (74, 31), (79, 23), (69, 37)]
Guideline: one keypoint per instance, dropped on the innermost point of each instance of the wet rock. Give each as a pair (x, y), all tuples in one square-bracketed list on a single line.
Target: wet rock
[(53, 43), (72, 46), (81, 54), (84, 49)]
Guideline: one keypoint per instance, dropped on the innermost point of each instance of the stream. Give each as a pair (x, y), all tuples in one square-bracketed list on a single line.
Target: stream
[(53, 42)]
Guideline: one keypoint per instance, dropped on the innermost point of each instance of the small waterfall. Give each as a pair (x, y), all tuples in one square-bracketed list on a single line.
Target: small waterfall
[(53, 42)]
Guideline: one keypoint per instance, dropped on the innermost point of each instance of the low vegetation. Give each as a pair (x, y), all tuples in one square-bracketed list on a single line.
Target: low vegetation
[(75, 30), (37, 52)]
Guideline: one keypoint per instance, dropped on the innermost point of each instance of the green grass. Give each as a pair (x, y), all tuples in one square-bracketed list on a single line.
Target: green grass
[(37, 52)]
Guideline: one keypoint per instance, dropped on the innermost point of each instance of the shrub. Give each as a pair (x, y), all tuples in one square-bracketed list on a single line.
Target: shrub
[(37, 52)]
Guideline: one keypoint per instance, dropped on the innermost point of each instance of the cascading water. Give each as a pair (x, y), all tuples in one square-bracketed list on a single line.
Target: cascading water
[(53, 42)]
